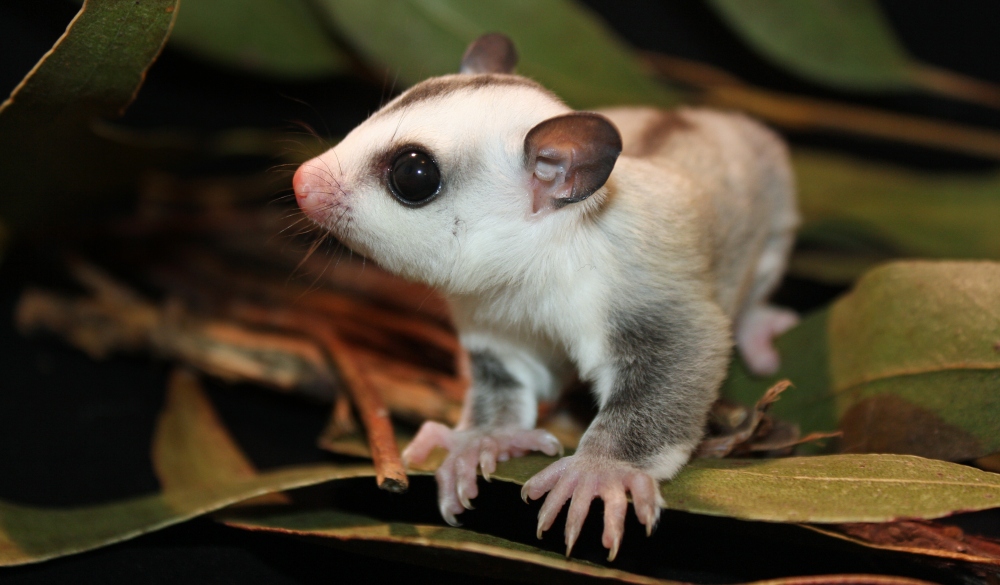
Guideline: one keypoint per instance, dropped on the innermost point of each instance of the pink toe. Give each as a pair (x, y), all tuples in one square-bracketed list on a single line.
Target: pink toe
[(579, 507), (430, 436), (615, 508)]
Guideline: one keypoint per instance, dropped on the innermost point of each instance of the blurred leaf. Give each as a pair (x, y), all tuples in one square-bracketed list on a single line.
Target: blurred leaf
[(187, 425), (803, 113), (48, 153), (280, 38), (804, 358), (29, 534), (201, 468), (561, 44), (930, 539), (876, 210), (844, 43), (908, 362), (848, 44), (455, 548)]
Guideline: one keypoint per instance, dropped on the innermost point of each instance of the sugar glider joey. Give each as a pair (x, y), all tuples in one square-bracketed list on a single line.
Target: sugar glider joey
[(632, 246)]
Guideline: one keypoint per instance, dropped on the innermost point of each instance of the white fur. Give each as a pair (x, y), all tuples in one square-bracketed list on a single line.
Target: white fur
[(670, 461), (539, 288)]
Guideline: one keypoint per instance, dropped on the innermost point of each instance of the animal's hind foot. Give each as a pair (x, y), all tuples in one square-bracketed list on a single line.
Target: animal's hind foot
[(755, 337)]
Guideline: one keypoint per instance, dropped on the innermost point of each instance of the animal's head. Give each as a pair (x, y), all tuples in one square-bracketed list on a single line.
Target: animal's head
[(454, 181)]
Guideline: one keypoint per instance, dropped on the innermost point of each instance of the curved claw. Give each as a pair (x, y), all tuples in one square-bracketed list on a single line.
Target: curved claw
[(613, 550), (463, 498), (449, 517), (469, 451), (582, 479)]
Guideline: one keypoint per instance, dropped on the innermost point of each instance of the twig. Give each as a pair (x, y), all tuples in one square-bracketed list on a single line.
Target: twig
[(389, 469), (721, 89)]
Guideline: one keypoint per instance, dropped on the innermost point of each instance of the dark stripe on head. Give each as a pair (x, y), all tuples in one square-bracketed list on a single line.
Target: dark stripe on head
[(441, 86)]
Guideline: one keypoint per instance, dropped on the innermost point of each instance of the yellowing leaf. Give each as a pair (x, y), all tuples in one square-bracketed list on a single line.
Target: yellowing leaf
[(455, 548), (200, 466), (30, 534), (818, 489), (907, 362), (914, 360)]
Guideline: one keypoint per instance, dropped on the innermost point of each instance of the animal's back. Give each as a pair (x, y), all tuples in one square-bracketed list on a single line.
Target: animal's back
[(743, 170)]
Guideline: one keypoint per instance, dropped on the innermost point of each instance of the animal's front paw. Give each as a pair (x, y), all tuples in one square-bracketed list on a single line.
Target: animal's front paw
[(468, 450), (584, 478)]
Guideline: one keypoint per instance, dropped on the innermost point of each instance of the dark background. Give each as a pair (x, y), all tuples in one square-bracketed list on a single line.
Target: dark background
[(74, 431)]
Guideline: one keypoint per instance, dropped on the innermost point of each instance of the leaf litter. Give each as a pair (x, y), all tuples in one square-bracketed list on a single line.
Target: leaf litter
[(140, 327)]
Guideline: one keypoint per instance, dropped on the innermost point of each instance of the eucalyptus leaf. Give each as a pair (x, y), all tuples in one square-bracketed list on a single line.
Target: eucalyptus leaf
[(907, 362), (29, 534), (817, 489), (938, 540), (458, 549), (561, 45), (870, 212), (48, 152), (201, 469), (279, 38), (914, 360), (844, 43)]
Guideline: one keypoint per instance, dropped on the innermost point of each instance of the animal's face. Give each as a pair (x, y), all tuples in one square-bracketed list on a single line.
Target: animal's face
[(455, 183), (435, 183)]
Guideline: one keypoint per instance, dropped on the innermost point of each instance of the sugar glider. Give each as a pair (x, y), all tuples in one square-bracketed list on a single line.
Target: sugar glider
[(632, 246)]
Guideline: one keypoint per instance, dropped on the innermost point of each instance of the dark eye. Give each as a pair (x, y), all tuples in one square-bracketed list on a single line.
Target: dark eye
[(413, 177)]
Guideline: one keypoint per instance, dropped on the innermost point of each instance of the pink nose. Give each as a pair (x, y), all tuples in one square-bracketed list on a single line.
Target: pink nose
[(300, 183), (309, 187)]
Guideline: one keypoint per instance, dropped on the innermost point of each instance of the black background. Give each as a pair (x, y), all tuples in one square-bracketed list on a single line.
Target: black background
[(73, 431)]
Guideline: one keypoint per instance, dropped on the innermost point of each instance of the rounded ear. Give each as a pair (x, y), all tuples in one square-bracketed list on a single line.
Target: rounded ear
[(569, 157), (490, 53)]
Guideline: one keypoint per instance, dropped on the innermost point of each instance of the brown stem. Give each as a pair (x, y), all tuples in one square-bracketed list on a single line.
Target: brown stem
[(800, 113), (956, 85), (389, 469), (721, 89)]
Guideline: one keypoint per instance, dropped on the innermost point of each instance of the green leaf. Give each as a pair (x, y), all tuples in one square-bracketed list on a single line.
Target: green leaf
[(30, 534), (48, 152), (561, 45), (864, 210), (843, 43), (804, 360), (915, 362), (908, 362), (819, 489), (279, 38)]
